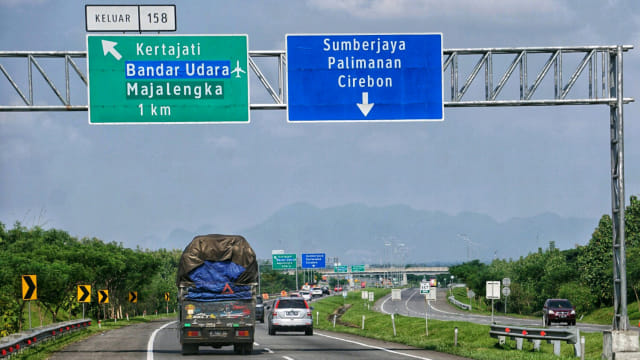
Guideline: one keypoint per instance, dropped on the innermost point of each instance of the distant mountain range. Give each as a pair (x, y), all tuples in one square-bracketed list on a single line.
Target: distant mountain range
[(357, 234)]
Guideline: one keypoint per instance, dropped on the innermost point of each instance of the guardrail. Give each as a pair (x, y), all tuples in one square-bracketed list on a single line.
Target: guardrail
[(15, 343), (553, 335), (458, 303)]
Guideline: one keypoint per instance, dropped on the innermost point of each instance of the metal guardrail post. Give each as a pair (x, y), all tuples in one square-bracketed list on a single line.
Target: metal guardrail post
[(15, 343), (570, 335)]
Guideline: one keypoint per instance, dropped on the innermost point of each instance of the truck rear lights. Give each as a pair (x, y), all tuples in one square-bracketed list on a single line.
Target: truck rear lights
[(242, 332), (193, 333)]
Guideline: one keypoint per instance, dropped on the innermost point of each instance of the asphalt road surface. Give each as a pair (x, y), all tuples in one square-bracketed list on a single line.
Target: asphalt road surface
[(158, 341), (413, 304)]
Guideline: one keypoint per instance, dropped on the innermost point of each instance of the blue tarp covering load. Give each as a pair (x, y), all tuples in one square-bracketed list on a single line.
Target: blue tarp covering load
[(218, 267)]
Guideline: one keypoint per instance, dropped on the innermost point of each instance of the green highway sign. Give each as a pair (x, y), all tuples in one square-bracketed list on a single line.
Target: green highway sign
[(284, 261), (153, 79), (357, 268), (340, 268)]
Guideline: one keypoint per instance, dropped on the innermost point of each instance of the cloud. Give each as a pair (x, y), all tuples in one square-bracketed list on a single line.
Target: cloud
[(18, 3), (19, 134), (225, 143), (399, 9)]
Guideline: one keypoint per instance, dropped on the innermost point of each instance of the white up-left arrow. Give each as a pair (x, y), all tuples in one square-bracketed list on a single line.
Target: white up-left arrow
[(365, 107), (110, 47)]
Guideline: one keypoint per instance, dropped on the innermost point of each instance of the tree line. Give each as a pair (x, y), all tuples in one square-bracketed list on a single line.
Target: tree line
[(584, 274), (62, 262)]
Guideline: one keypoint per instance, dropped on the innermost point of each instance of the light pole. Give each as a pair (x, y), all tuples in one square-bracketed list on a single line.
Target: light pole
[(387, 244), (451, 284)]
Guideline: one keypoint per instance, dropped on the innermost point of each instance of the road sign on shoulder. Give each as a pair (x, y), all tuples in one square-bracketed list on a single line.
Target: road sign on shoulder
[(167, 297), (493, 290), (156, 79), (133, 297), (425, 288), (364, 77), (29, 287), (103, 296), (84, 293)]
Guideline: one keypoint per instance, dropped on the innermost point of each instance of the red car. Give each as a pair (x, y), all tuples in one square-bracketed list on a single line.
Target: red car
[(559, 311)]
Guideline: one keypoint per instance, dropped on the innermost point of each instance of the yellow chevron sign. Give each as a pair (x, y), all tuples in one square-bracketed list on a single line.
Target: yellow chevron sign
[(103, 296), (29, 287), (133, 296), (84, 293)]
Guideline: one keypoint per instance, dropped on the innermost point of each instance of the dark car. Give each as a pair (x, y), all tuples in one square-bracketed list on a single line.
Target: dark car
[(259, 309), (290, 314), (558, 311)]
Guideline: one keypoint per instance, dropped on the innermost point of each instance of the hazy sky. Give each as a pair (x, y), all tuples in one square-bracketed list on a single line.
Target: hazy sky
[(128, 183)]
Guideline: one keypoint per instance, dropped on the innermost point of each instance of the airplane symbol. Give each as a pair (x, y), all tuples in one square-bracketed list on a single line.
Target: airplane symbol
[(238, 69)]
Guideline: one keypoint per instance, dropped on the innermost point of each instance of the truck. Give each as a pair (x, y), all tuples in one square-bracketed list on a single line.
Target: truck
[(217, 278)]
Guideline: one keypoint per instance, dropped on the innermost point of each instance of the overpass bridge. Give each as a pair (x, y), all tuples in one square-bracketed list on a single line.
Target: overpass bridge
[(382, 271)]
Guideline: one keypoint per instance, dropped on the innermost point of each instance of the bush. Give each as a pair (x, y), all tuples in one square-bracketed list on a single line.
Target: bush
[(580, 296)]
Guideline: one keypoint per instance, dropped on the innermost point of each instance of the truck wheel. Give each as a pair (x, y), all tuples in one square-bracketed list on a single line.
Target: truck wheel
[(189, 349)]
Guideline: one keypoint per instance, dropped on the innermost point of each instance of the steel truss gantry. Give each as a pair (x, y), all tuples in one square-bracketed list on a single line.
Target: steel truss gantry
[(595, 78)]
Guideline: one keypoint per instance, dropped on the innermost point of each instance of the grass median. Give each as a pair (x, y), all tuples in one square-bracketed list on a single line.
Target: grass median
[(473, 340)]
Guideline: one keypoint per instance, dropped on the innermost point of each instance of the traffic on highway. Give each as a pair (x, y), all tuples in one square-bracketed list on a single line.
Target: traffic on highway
[(319, 179)]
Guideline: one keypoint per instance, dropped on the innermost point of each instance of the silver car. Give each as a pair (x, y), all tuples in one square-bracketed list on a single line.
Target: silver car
[(290, 314)]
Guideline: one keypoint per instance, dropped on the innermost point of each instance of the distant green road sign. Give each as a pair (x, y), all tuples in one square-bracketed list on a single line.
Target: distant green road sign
[(340, 268), (357, 268), (284, 261), (151, 79)]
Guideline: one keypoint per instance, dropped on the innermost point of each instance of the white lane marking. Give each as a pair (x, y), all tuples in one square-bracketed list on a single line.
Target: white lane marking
[(256, 344), (406, 304), (374, 347), (382, 305), (269, 350), (153, 337), (288, 358), (445, 312)]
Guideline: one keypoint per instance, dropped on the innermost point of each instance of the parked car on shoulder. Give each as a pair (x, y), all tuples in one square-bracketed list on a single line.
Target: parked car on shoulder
[(290, 314), (558, 311)]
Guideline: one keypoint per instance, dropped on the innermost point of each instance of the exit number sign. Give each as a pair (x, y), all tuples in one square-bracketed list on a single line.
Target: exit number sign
[(140, 79)]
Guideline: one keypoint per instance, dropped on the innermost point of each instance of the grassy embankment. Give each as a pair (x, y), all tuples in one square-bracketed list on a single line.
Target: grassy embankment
[(602, 316), (473, 340)]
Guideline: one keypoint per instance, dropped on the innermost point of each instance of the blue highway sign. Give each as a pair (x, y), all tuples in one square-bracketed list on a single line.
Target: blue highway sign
[(364, 77), (313, 261)]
